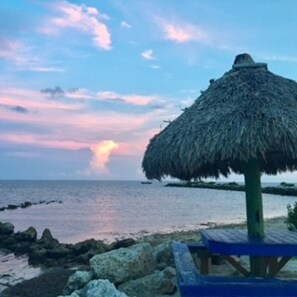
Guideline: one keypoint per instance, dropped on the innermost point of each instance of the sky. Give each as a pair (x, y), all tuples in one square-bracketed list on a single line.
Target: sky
[(84, 85)]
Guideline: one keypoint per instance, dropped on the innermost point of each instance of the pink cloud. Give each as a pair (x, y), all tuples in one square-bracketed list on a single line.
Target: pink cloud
[(40, 141), (81, 18), (33, 101), (127, 98), (9, 49), (52, 124), (182, 32), (23, 57)]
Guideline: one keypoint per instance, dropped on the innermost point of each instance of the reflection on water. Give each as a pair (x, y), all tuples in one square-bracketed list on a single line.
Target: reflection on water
[(15, 270), (110, 209)]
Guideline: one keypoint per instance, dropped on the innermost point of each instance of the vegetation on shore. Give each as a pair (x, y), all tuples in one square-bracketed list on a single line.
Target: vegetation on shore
[(285, 189)]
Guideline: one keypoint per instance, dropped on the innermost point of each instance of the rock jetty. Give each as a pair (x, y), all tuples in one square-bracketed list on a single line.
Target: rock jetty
[(48, 251), (27, 204), (284, 189)]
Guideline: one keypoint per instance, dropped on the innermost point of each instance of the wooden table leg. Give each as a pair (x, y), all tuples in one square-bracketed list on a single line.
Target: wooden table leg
[(275, 266), (236, 265)]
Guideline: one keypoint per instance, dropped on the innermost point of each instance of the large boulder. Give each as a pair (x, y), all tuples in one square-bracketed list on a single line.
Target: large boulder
[(77, 281), (98, 288), (163, 254), (124, 264), (101, 288), (6, 228), (157, 283)]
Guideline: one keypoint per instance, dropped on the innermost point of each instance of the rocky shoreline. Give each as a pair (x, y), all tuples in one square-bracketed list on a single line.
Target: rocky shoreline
[(49, 252), (145, 266), (132, 267)]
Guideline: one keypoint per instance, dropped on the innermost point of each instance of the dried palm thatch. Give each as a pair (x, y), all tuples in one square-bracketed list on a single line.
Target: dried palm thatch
[(249, 113), (244, 122)]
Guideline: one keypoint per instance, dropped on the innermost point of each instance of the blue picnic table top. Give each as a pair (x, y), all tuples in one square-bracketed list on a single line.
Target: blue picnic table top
[(275, 243), (193, 284)]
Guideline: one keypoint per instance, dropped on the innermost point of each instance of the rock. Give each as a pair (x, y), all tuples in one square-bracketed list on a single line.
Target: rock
[(74, 294), (47, 239), (124, 264), (21, 247), (77, 280), (169, 272), (85, 258), (123, 243), (6, 228), (37, 255), (28, 235), (156, 283), (26, 204), (7, 241), (12, 206), (101, 288), (83, 247), (57, 252), (163, 254)]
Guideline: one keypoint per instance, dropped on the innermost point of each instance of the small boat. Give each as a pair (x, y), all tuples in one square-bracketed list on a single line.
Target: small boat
[(146, 182)]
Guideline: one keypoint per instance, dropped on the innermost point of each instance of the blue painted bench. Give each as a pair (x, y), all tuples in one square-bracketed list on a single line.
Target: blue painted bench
[(193, 284)]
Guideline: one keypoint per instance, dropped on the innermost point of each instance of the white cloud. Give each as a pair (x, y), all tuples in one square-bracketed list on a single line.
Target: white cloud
[(125, 25), (155, 66), (126, 98), (281, 58), (78, 94), (148, 54), (82, 18)]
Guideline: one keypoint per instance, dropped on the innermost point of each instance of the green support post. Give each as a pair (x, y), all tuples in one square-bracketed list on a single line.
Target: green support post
[(254, 212)]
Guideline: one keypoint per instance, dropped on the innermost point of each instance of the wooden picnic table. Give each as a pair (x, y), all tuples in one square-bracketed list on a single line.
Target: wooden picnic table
[(276, 247)]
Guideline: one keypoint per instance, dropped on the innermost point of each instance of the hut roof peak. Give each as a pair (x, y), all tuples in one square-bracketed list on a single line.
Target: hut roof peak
[(246, 61)]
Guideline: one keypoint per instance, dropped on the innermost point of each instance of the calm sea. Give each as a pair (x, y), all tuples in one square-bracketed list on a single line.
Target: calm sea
[(117, 209)]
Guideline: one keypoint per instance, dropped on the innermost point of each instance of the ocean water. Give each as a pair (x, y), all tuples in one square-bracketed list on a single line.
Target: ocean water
[(117, 209)]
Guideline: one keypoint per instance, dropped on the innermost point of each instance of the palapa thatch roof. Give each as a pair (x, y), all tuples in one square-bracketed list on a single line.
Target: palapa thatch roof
[(249, 113)]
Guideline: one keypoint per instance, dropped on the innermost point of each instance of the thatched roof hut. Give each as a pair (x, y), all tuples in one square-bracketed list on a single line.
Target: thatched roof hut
[(245, 122), (249, 113)]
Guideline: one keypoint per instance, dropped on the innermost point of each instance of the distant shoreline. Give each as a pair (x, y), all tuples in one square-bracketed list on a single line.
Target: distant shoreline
[(284, 189)]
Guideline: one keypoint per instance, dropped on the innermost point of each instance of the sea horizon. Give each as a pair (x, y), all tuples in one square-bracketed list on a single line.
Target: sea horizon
[(82, 209)]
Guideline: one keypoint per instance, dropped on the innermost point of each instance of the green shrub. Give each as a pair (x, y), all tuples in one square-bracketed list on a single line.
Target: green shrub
[(291, 220)]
